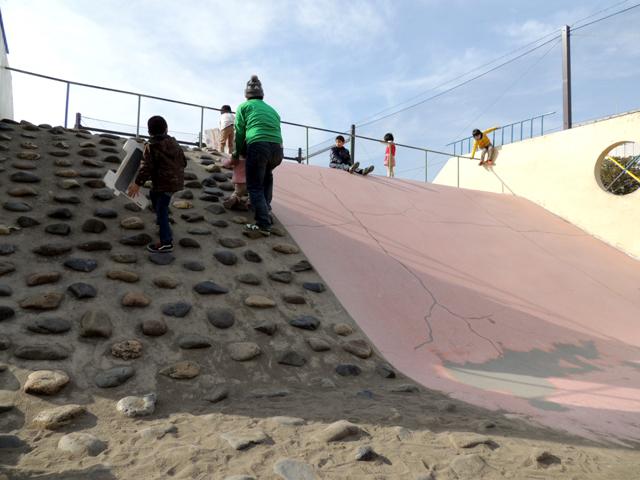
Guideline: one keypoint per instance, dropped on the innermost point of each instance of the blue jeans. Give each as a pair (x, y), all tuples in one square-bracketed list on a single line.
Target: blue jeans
[(160, 202), (262, 157)]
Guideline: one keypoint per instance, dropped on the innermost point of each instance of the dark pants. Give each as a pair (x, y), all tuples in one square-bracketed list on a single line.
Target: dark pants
[(160, 202), (262, 157)]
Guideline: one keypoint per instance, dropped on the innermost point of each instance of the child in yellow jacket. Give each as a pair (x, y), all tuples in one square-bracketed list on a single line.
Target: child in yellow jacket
[(482, 141)]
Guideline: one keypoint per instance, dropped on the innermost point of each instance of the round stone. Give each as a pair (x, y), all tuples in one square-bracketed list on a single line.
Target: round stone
[(318, 344), (123, 275), (316, 287), (359, 348), (132, 223), (188, 243), (27, 222), (342, 329), (259, 301), (216, 209), (154, 327), (81, 264), (95, 246), (42, 352), (281, 276), (114, 377), (14, 206), (268, 328), (95, 183), (55, 418), (127, 349), (24, 165), (184, 370), (249, 279), (294, 299), (81, 444), (82, 290), (135, 300), (68, 199), (42, 278), (103, 194), (61, 229), (178, 309), (232, 242), (49, 325), (161, 258), (24, 177), (42, 301), (209, 288), (193, 342), (6, 268), (194, 266), (105, 213), (60, 214), (221, 317), (292, 359), (226, 257), (66, 173), (124, 257), (22, 192), (137, 240), (385, 370), (285, 248), (46, 382), (199, 231), (219, 223), (6, 313), (53, 249), (5, 290), (182, 204), (305, 322), (244, 351), (348, 370), (95, 324), (252, 256), (137, 406), (93, 225), (166, 282), (88, 152), (185, 195), (69, 184), (192, 217)]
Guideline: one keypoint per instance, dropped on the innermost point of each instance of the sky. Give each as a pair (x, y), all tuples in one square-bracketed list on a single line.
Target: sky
[(326, 63)]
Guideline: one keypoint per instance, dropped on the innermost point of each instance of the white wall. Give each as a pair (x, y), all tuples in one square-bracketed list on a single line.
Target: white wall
[(558, 171), (6, 90)]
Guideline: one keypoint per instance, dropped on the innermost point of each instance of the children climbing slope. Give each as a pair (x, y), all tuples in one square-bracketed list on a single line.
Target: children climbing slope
[(482, 141), (390, 155)]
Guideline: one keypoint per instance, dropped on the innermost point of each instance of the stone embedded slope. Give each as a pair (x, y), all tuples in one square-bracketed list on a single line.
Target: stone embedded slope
[(81, 296)]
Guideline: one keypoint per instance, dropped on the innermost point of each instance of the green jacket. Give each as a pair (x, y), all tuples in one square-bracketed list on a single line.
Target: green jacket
[(256, 121)]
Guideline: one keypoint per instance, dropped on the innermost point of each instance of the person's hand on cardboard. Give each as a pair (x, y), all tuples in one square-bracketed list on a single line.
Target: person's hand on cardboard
[(133, 190)]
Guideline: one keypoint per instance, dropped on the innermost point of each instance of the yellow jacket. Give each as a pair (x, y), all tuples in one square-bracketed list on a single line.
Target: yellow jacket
[(484, 142)]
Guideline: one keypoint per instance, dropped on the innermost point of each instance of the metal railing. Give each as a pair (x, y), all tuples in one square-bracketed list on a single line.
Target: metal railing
[(515, 132), (351, 134)]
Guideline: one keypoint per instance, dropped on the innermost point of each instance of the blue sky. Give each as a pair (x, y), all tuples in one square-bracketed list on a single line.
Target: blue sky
[(326, 63)]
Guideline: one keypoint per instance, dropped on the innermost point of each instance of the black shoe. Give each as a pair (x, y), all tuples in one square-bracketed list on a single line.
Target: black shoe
[(160, 248), (368, 170), (253, 228), (354, 167)]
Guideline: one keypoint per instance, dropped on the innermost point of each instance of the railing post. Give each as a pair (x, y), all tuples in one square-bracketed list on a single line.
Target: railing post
[(512, 133), (78, 124), (138, 119), (353, 143), (542, 125), (299, 154), (307, 132), (66, 107), (531, 135), (502, 133), (426, 166), (458, 181), (521, 130), (202, 126)]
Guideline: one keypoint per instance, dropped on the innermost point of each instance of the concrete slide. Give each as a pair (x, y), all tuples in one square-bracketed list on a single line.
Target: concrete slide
[(487, 297)]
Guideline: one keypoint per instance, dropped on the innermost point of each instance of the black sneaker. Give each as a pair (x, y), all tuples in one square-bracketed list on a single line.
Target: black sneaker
[(253, 228), (160, 248), (368, 170), (354, 167)]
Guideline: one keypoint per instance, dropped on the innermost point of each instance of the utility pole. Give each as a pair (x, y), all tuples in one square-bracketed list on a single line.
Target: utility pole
[(566, 77)]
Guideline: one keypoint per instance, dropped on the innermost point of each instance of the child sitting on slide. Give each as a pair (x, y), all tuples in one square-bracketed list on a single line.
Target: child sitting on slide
[(482, 141), (340, 158), (163, 162)]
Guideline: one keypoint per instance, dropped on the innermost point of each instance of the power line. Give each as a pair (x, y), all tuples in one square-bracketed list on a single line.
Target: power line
[(598, 12), (479, 67), (607, 17), (504, 92), (455, 87)]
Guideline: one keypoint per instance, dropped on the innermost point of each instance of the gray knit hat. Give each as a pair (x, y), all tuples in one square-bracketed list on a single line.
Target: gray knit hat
[(254, 88)]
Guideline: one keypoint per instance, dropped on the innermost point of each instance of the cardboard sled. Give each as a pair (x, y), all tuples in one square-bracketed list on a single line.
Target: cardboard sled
[(120, 180)]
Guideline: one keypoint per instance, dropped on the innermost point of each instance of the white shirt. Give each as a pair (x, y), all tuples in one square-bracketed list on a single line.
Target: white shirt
[(226, 120)]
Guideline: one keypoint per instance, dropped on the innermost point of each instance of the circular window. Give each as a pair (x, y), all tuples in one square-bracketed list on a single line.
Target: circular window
[(618, 168)]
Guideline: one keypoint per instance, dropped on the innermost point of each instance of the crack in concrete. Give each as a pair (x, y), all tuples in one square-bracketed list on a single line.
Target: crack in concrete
[(434, 300)]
